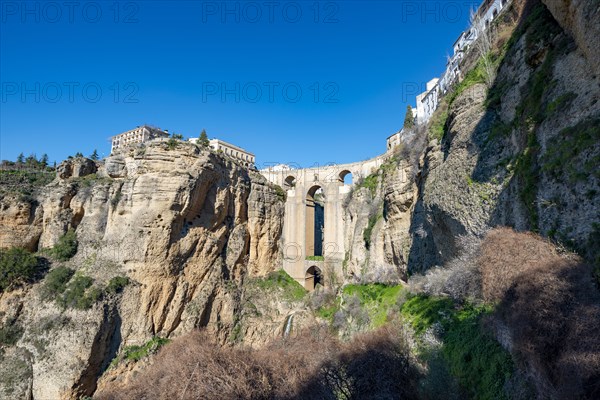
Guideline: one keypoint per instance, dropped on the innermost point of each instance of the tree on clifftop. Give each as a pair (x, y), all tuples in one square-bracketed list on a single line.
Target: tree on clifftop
[(409, 119), (94, 155), (203, 139)]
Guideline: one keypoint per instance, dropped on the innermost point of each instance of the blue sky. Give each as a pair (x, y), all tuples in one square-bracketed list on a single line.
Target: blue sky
[(299, 82)]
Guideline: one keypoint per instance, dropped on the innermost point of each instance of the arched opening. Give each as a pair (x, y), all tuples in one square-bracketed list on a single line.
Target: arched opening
[(495, 13), (315, 221), (313, 278), (290, 181), (346, 177)]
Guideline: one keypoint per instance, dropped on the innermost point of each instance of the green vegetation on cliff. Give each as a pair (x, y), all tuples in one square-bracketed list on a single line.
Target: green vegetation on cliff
[(17, 267), (280, 282), (481, 366)]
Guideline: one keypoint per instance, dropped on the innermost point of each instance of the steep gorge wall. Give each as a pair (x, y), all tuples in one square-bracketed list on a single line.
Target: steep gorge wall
[(186, 226), (524, 153)]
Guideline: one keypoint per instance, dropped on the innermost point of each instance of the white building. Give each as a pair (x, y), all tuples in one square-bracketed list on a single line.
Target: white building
[(141, 134), (427, 102), (246, 158)]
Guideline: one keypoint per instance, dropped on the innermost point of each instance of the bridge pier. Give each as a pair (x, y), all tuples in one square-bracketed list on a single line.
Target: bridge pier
[(302, 185)]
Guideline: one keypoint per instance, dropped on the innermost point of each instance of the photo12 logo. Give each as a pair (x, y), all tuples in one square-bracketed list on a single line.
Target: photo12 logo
[(70, 92), (271, 92), (436, 11), (253, 12), (52, 12)]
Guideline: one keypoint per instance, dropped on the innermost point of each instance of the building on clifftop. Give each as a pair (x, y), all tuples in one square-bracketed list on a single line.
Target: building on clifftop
[(141, 134)]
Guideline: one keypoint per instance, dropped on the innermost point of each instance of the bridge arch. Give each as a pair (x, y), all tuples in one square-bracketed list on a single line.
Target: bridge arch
[(315, 221), (346, 177), (290, 181), (313, 277)]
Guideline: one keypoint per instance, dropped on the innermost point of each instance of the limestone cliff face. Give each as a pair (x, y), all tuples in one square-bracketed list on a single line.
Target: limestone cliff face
[(186, 226), (524, 153), (580, 19), (377, 224)]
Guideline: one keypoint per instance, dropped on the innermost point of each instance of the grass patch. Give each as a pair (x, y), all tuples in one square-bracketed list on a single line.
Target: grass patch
[(315, 258), (473, 357), (423, 311), (136, 353), (478, 361), (328, 311), (377, 299), (282, 283)]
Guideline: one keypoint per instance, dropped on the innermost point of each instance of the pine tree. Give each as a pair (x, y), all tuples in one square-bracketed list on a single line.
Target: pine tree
[(78, 155), (31, 161), (44, 161), (203, 139), (94, 155), (20, 159), (409, 119)]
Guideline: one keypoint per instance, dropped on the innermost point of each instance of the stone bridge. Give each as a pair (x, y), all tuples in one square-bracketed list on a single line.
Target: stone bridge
[(313, 233)]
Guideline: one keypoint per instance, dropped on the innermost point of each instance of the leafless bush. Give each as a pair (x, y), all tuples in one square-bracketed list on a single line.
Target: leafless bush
[(431, 283), (505, 254), (464, 280), (390, 275), (314, 365), (383, 371), (459, 278), (551, 308), (356, 311), (322, 296)]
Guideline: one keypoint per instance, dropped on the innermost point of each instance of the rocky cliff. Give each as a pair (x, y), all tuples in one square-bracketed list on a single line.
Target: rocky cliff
[(523, 152), (185, 225), (190, 229)]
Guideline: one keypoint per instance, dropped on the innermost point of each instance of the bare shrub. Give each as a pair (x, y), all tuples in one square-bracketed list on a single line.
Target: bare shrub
[(551, 308), (374, 365), (321, 297), (459, 278), (389, 275), (464, 280), (314, 365), (505, 254), (431, 283)]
